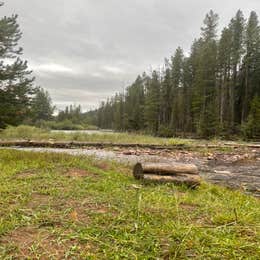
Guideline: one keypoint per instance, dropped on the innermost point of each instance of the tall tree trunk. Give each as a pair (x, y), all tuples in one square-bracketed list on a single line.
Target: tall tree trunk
[(245, 103)]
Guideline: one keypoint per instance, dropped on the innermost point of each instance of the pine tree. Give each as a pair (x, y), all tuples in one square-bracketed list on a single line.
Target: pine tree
[(187, 96), (196, 77), (166, 96), (15, 81), (224, 79), (177, 90), (118, 110), (135, 104), (251, 63), (237, 50), (205, 78), (152, 106), (42, 108)]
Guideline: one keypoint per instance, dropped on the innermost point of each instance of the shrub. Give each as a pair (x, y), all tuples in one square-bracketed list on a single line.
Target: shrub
[(64, 125)]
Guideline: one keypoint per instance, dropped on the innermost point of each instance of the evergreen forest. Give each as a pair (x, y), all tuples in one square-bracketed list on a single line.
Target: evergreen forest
[(213, 91)]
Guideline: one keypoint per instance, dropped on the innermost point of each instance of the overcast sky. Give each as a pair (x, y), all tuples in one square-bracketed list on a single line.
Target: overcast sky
[(83, 51)]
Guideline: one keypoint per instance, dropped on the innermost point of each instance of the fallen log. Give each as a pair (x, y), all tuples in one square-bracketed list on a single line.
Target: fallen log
[(177, 173), (188, 180), (164, 169)]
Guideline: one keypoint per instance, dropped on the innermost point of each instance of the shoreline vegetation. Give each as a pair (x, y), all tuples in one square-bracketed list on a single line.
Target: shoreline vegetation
[(24, 132), (71, 206), (65, 125), (29, 136)]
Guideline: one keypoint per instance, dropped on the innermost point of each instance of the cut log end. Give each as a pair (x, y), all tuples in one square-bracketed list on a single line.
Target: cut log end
[(138, 171)]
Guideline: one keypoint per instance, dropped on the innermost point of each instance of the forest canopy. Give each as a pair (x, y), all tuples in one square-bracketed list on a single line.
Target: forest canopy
[(213, 91)]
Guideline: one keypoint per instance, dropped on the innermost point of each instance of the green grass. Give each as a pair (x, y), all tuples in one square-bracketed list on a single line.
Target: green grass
[(64, 125), (33, 133), (56, 205)]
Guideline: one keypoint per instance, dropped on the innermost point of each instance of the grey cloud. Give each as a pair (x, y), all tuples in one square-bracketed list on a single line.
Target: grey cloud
[(84, 50)]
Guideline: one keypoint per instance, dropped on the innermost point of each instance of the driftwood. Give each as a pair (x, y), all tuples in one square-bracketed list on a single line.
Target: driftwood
[(187, 174), (191, 181)]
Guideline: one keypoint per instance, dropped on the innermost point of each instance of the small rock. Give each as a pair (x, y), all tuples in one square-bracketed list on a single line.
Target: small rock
[(127, 153)]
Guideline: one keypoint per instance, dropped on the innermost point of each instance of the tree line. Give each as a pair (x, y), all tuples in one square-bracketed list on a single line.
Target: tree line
[(213, 91), (21, 102)]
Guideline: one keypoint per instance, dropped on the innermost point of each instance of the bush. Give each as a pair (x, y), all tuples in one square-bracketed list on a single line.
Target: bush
[(64, 125)]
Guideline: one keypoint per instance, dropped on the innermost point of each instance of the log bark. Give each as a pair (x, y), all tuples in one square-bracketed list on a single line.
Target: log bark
[(186, 179), (164, 169), (177, 173)]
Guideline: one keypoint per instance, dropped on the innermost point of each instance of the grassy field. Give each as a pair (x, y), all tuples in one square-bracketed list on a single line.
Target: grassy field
[(33, 133), (60, 206)]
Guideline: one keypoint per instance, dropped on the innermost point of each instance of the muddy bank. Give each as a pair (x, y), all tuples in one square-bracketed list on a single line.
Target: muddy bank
[(238, 169), (111, 145)]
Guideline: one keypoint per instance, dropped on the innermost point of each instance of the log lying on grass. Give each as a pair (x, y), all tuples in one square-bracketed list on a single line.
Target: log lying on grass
[(191, 181), (164, 169), (178, 173), (169, 168)]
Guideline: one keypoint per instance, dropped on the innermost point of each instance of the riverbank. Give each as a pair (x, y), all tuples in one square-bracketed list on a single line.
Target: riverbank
[(37, 137), (234, 168)]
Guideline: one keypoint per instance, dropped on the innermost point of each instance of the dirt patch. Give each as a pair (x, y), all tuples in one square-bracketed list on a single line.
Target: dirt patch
[(25, 241), (38, 200), (27, 174), (102, 165), (78, 214), (188, 206), (81, 211), (79, 173)]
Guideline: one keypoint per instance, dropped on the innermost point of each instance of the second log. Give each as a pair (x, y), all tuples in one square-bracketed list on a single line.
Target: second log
[(177, 173)]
